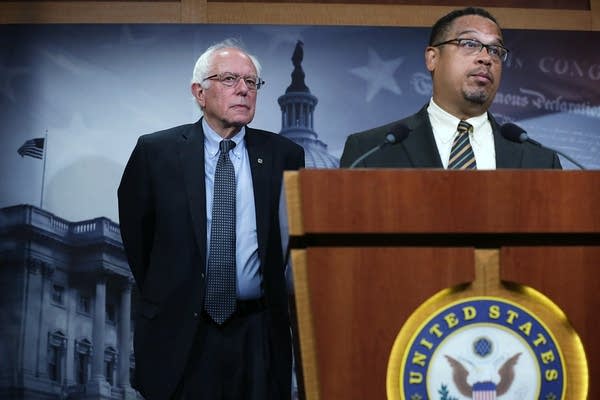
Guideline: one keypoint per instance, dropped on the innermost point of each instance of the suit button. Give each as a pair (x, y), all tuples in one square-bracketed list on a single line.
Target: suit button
[(202, 275), (195, 315)]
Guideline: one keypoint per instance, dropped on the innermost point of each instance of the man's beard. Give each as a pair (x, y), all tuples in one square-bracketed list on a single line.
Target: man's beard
[(477, 96)]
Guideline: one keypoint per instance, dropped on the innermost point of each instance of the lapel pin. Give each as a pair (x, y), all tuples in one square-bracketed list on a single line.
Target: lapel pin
[(260, 160)]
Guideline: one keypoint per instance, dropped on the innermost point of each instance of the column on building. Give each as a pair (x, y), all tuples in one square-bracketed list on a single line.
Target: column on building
[(98, 331), (30, 361), (125, 333)]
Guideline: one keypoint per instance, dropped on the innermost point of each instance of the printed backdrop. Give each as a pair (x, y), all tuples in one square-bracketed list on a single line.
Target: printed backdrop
[(93, 89)]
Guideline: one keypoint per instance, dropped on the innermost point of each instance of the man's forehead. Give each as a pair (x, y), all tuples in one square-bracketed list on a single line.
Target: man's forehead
[(475, 24), (229, 57)]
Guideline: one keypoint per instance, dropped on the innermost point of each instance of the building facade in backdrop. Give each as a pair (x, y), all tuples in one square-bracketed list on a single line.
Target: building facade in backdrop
[(65, 308)]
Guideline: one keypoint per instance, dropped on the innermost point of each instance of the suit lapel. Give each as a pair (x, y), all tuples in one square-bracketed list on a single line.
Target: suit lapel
[(508, 154), (420, 143), (191, 156), (423, 153), (261, 166)]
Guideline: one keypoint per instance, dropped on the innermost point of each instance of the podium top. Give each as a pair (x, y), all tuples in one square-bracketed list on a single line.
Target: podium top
[(428, 201)]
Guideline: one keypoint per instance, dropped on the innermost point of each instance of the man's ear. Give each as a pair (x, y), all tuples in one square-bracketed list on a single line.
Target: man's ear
[(432, 55), (198, 93)]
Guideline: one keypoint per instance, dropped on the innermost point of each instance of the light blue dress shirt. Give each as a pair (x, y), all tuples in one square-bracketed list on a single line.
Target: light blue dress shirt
[(246, 259)]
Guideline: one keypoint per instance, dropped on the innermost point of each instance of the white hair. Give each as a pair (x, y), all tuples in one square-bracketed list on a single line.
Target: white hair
[(204, 62)]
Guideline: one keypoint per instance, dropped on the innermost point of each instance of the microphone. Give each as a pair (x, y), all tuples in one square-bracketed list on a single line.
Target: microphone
[(396, 135), (515, 133)]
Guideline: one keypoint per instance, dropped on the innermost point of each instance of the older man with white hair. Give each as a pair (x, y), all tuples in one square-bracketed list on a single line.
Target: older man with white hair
[(198, 207)]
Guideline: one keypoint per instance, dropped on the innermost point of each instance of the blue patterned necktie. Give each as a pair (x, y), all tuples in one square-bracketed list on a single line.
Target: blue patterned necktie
[(220, 300), (461, 155)]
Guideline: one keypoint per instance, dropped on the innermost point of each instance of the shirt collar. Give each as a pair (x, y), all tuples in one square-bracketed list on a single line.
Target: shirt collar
[(212, 140), (450, 122)]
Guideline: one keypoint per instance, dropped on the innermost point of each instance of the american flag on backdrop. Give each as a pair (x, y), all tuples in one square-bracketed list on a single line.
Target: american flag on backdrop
[(32, 148)]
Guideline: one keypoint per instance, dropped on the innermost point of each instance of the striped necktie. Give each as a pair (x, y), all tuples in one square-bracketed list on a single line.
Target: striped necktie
[(461, 155), (220, 300)]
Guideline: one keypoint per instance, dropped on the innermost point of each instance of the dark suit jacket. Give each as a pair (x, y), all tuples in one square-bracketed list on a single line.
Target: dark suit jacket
[(162, 211), (419, 150)]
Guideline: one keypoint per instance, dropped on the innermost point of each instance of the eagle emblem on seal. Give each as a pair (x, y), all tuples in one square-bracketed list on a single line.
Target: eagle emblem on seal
[(487, 383)]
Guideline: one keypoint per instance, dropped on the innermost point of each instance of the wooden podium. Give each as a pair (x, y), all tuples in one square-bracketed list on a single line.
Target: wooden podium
[(370, 246)]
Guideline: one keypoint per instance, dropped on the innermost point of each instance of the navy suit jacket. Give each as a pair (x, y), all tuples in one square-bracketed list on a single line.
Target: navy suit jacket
[(419, 149), (162, 211)]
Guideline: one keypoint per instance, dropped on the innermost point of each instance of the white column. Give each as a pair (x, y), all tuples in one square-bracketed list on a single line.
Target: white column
[(125, 334), (98, 387), (98, 331), (293, 116)]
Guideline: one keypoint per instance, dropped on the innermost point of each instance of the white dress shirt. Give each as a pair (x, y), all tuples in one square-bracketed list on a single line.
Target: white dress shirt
[(445, 130)]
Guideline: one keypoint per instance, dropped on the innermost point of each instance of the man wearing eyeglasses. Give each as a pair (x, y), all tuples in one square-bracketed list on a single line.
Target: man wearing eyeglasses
[(198, 207), (455, 130)]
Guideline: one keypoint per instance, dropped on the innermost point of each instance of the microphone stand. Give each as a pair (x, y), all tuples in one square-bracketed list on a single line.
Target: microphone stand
[(367, 154)]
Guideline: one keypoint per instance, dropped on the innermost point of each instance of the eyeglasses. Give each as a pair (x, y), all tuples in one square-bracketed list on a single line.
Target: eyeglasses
[(230, 79), (474, 46)]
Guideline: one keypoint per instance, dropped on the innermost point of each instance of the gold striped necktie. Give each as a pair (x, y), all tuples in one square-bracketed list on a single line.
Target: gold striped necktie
[(461, 155)]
